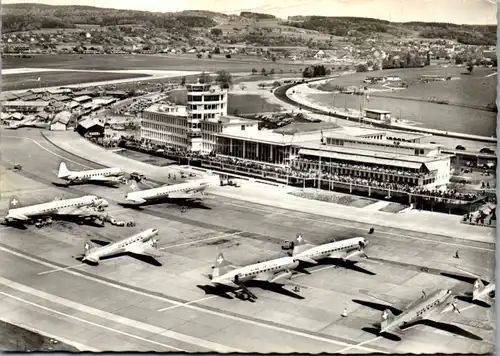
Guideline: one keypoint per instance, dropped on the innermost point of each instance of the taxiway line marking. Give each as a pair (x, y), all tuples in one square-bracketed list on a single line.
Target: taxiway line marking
[(77, 345), (193, 307), (490, 75), (120, 319), (184, 304), (60, 269), (89, 322), (358, 345), (364, 229), (202, 240)]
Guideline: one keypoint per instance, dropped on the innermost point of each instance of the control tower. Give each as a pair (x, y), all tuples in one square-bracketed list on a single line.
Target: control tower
[(204, 101)]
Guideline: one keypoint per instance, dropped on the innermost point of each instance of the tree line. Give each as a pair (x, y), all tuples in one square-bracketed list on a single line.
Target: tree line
[(27, 17)]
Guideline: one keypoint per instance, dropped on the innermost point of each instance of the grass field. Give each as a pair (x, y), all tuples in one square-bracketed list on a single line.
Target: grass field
[(429, 115), (250, 104), (54, 78), (245, 104), (163, 62), (16, 339), (475, 90)]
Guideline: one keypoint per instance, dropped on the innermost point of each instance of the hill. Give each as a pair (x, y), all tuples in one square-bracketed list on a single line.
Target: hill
[(362, 27), (112, 27), (28, 17)]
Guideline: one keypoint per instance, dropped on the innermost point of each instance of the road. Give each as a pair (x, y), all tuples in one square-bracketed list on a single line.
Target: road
[(49, 283)]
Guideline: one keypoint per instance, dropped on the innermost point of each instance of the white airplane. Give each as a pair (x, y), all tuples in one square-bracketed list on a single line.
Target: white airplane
[(344, 250), (483, 293), (106, 175), (87, 206), (277, 271), (423, 311), (142, 243), (190, 190)]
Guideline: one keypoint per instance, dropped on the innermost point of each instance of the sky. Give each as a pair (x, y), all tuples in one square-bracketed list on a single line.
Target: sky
[(455, 11)]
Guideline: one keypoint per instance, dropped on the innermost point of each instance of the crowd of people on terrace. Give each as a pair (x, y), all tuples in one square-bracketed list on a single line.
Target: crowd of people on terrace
[(375, 169), (293, 172)]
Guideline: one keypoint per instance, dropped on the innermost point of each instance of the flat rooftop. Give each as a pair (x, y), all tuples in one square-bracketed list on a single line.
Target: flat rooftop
[(175, 110), (386, 142), (299, 127), (314, 149), (231, 120)]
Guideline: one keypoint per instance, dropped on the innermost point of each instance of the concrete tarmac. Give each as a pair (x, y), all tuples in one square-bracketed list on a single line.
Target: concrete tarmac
[(127, 304)]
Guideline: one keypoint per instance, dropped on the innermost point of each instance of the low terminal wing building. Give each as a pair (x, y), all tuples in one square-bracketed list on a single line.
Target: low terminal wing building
[(90, 128)]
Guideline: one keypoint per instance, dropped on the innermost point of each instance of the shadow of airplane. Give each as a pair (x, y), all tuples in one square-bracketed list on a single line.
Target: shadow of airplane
[(351, 265), (144, 258), (187, 203), (463, 278), (224, 291), (103, 184), (375, 328)]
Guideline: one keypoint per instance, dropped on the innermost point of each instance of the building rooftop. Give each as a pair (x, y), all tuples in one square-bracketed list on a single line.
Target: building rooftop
[(405, 135), (357, 131), (377, 111), (232, 120), (175, 110), (386, 142), (89, 123), (354, 152), (26, 103), (82, 98), (299, 127)]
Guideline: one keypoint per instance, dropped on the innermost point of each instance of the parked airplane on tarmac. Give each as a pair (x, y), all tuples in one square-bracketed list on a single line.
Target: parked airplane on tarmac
[(394, 321), (344, 250), (87, 206), (193, 190), (142, 243), (483, 292), (277, 271), (106, 175)]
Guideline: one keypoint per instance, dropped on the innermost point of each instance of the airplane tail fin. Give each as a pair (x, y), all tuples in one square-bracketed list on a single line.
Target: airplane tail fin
[(221, 266), (15, 203), (299, 244), (63, 171), (386, 319), (89, 245), (132, 186), (477, 289)]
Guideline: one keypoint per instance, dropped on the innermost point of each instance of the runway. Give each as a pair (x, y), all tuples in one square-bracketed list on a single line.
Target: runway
[(151, 308)]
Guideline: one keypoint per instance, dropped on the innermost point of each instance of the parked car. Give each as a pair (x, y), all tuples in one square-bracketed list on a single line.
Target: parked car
[(137, 176)]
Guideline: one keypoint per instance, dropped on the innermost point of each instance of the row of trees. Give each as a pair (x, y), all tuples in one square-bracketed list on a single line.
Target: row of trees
[(316, 71)]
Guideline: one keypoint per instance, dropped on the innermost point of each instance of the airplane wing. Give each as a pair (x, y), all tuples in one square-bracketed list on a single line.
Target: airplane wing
[(105, 179), (144, 249), (18, 217), (80, 212), (306, 260), (395, 303)]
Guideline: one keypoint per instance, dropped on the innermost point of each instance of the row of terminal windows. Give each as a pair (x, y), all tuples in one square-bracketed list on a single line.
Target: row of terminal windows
[(205, 98), (167, 119)]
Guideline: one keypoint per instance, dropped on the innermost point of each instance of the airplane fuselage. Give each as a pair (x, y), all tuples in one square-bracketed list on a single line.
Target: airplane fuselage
[(53, 207), (319, 252), (250, 272), (120, 246), (419, 309), (166, 192), (93, 174)]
